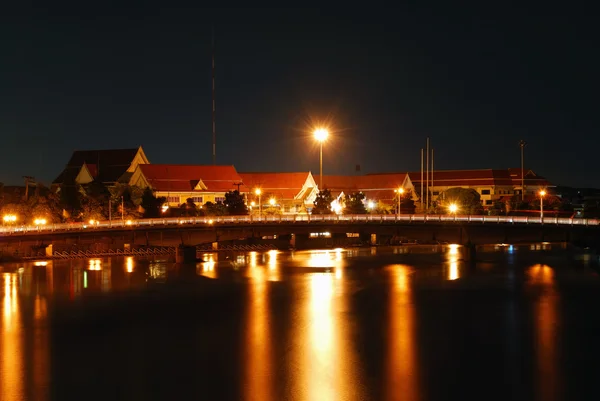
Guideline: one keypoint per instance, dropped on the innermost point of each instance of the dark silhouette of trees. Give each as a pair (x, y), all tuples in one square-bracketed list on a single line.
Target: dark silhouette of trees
[(468, 200), (236, 203), (322, 204), (215, 209), (151, 205), (355, 203)]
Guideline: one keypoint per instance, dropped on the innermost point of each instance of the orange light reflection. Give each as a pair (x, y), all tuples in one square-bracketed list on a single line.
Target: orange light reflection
[(401, 369), (546, 342), (258, 373), (11, 374)]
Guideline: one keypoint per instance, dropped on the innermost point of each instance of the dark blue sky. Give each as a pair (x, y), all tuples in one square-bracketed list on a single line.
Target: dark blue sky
[(475, 80)]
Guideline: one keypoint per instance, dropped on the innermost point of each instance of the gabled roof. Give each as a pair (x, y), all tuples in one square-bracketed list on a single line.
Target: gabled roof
[(375, 186), (281, 185), (187, 178), (485, 177), (105, 165), (107, 157)]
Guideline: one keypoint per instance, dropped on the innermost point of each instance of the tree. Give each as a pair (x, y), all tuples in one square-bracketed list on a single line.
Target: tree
[(93, 209), (383, 208), (21, 210), (498, 209), (407, 204), (215, 209), (46, 207), (467, 200), (70, 198), (236, 203), (355, 203), (126, 201), (188, 208), (322, 203), (151, 205)]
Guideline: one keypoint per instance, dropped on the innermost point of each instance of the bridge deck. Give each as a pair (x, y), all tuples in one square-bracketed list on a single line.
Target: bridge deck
[(293, 219)]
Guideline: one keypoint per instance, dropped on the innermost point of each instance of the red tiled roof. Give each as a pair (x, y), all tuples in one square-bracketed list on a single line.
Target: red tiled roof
[(281, 185), (179, 177), (364, 183), (93, 169), (486, 177)]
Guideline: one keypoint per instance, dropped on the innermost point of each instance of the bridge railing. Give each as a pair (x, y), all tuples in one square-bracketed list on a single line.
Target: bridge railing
[(226, 220)]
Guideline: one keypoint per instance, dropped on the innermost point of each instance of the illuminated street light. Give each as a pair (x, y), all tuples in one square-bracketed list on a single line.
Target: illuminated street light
[(272, 201), (399, 191), (40, 222), (9, 218), (321, 135), (453, 208), (542, 194), (258, 193), (371, 205)]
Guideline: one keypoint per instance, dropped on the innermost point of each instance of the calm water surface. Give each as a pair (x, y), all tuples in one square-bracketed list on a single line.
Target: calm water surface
[(372, 324)]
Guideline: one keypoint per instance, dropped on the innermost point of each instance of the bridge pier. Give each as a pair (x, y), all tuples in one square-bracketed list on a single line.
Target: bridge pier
[(185, 254), (469, 252)]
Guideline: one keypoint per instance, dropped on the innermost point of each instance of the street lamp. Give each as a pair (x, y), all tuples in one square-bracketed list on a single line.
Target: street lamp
[(40, 222), (258, 193), (399, 191), (9, 218), (542, 194), (272, 201), (321, 135), (453, 208)]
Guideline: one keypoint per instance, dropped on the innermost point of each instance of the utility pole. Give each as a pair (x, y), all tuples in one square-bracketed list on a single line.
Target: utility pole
[(522, 144), (427, 178), (214, 133), (422, 193), (28, 181)]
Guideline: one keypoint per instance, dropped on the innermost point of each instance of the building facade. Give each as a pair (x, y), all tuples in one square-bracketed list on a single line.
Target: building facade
[(177, 183), (291, 193)]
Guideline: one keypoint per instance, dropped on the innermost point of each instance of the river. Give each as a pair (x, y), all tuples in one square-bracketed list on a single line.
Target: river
[(389, 323)]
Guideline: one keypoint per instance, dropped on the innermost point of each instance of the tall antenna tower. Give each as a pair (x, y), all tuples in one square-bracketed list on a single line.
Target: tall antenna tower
[(214, 134)]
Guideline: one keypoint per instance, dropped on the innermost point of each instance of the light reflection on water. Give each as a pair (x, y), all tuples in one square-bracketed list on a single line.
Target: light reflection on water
[(401, 367), (321, 349), (546, 332)]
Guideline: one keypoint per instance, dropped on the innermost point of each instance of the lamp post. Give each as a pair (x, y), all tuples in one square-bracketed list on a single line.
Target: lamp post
[(321, 135), (542, 194), (522, 144), (399, 191), (258, 193)]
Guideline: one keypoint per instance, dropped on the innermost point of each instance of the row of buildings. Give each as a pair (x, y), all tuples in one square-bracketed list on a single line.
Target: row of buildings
[(292, 192)]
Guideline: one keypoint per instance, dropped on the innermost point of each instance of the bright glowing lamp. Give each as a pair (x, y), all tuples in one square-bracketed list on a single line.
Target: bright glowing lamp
[(321, 134)]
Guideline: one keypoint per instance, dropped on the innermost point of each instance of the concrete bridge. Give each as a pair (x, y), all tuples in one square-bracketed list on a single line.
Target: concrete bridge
[(300, 231)]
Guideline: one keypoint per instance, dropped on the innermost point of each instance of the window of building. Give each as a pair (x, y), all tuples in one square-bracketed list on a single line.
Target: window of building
[(219, 199), (197, 199), (173, 199), (488, 202), (436, 193), (485, 192)]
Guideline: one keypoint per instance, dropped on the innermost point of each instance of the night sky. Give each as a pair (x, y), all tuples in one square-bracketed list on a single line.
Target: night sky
[(91, 75)]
